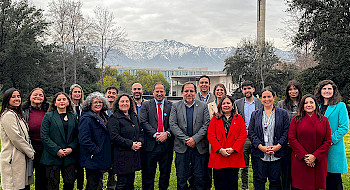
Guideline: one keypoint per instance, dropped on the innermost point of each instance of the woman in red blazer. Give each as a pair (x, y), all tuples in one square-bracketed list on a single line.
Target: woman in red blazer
[(310, 139), (227, 135)]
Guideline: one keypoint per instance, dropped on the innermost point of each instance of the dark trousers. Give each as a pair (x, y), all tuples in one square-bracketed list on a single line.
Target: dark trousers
[(40, 172), (334, 181), (111, 181), (125, 181), (226, 178), (244, 171), (164, 158), (79, 175), (263, 170), (199, 163), (286, 170), (53, 177), (93, 178)]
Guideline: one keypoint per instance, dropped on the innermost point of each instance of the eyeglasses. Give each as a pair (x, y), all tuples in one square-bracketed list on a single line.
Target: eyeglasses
[(97, 102), (136, 88), (248, 88), (189, 91)]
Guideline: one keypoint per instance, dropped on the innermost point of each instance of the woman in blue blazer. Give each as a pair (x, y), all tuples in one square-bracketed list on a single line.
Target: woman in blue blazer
[(329, 98), (59, 135), (268, 132)]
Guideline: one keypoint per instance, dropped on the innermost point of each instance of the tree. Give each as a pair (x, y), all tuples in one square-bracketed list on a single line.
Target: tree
[(251, 63), (69, 29), (107, 36), (325, 27), (22, 54)]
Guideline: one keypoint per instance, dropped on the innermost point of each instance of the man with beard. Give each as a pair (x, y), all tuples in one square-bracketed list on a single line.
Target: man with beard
[(158, 141), (137, 92), (204, 93), (189, 121), (245, 107), (111, 94)]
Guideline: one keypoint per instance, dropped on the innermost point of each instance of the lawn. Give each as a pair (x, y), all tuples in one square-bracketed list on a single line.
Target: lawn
[(346, 177)]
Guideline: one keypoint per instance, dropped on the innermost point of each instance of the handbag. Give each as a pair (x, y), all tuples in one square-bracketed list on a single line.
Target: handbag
[(30, 166)]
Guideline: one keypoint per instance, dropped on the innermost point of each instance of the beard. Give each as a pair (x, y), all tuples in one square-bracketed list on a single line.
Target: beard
[(137, 96), (248, 95)]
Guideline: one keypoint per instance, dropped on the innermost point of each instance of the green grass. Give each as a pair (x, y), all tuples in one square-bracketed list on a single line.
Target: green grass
[(346, 176)]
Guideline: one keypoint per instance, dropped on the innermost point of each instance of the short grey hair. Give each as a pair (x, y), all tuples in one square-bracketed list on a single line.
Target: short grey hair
[(88, 102)]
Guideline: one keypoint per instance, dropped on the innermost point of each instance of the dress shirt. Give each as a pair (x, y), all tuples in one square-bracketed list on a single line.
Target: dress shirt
[(248, 110)]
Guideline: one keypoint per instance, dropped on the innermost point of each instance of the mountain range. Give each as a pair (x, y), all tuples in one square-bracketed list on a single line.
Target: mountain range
[(174, 54)]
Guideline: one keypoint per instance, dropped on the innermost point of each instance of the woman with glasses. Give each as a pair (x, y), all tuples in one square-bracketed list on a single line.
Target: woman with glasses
[(94, 139)]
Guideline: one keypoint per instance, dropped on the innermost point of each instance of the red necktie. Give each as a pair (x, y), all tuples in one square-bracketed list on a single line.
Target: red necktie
[(160, 118)]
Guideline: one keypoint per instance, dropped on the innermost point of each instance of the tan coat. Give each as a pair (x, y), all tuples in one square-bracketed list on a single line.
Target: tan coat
[(15, 148), (212, 109)]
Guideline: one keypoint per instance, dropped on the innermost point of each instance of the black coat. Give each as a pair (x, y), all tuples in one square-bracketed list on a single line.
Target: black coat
[(124, 132), (95, 143)]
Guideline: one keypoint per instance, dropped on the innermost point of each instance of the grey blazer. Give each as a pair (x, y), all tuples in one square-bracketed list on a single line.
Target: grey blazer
[(240, 105), (178, 126)]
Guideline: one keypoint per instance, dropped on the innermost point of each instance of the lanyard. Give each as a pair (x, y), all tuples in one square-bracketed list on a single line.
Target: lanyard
[(268, 122)]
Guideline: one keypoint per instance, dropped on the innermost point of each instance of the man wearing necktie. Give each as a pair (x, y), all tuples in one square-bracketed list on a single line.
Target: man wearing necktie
[(158, 141)]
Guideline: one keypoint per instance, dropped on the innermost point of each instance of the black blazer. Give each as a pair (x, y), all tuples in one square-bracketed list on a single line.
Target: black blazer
[(256, 136), (124, 132), (149, 123)]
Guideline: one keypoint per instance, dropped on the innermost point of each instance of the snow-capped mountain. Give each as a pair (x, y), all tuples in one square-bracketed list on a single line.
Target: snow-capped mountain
[(172, 54)]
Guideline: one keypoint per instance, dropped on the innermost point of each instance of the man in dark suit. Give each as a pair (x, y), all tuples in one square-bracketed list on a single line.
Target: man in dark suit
[(158, 145), (189, 120), (245, 107)]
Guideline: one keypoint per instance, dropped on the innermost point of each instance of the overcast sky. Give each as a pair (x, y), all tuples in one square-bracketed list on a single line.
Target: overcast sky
[(211, 23)]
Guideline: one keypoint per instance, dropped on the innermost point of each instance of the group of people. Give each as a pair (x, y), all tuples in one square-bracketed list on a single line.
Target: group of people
[(211, 134)]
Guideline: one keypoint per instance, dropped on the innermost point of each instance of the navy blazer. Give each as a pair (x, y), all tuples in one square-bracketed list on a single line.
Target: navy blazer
[(149, 123), (256, 136)]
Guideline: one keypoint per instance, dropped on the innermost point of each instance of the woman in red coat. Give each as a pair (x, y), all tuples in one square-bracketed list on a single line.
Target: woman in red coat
[(227, 135), (310, 139)]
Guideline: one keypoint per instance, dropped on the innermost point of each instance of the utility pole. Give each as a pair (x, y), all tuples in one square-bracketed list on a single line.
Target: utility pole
[(261, 7)]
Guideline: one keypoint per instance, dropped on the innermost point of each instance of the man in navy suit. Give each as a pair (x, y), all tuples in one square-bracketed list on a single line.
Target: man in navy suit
[(158, 141)]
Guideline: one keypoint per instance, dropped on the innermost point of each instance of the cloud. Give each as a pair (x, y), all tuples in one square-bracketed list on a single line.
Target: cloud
[(209, 23)]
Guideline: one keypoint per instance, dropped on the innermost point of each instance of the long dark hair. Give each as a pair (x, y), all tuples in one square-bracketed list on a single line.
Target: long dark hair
[(6, 103), (220, 85), (116, 104), (302, 113), (220, 112), (44, 105), (53, 107), (336, 98), (288, 101)]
